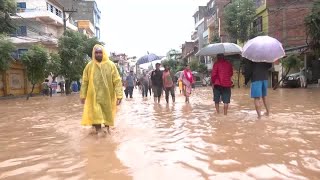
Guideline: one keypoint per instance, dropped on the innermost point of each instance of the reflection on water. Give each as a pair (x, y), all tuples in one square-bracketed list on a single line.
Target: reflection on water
[(42, 139)]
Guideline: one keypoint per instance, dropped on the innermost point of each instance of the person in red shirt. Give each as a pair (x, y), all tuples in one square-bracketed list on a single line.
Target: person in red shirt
[(222, 72)]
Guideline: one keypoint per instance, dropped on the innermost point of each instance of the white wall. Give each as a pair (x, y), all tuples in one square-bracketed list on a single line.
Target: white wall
[(35, 4)]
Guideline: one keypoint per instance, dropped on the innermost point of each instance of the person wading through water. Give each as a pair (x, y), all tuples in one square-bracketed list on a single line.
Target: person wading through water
[(168, 84), (101, 91), (187, 81), (157, 85)]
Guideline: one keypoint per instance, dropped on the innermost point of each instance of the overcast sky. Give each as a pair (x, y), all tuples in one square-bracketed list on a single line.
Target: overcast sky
[(137, 26)]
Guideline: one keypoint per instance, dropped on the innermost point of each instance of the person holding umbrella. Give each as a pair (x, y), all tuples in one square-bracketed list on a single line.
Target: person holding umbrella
[(222, 72), (259, 84), (262, 51)]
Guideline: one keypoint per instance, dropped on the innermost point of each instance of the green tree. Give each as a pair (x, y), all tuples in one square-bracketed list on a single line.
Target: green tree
[(289, 63), (7, 7), (194, 64), (75, 50), (202, 68), (53, 66), (238, 17), (73, 57), (89, 44), (215, 39), (312, 22), (35, 61), (6, 48)]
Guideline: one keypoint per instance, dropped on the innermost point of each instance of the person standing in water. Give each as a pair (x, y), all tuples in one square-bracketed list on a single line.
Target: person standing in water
[(144, 84), (168, 84), (187, 81), (222, 72), (259, 85), (157, 85), (130, 84), (101, 91)]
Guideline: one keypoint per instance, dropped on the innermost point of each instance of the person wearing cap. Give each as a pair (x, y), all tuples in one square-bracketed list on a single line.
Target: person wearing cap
[(101, 91), (157, 84)]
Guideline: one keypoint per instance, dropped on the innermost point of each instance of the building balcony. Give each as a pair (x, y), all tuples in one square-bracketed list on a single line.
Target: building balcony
[(86, 25), (212, 21), (19, 40), (194, 36), (198, 23), (43, 16)]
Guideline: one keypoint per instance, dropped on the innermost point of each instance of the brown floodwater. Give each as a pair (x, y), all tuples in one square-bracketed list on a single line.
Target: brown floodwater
[(42, 139)]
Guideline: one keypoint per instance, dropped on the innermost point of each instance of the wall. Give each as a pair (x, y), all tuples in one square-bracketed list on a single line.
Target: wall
[(14, 81), (286, 21), (35, 4), (263, 12)]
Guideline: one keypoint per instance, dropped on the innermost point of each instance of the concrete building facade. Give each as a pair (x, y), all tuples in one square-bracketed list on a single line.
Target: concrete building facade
[(38, 22), (85, 10)]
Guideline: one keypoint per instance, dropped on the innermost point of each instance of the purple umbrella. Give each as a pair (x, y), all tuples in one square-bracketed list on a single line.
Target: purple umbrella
[(148, 58), (263, 49)]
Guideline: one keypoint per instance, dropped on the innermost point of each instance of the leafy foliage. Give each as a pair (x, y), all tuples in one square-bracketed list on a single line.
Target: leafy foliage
[(53, 65), (89, 44), (74, 50), (215, 39), (312, 22), (35, 61), (6, 48), (7, 7), (202, 68), (239, 16), (71, 51), (194, 64), (290, 62)]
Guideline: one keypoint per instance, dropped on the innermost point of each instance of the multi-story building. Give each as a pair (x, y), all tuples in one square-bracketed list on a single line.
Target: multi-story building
[(87, 14), (38, 22), (215, 20), (200, 17), (188, 50), (121, 59), (284, 20)]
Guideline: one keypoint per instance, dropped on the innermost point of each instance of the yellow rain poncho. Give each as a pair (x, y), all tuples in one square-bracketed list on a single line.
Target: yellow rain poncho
[(101, 87)]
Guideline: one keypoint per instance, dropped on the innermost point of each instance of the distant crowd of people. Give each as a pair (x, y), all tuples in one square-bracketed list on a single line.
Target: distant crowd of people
[(102, 87), (160, 82)]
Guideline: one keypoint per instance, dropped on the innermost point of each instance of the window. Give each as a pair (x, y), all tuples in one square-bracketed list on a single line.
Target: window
[(259, 3), (21, 5), (257, 24), (17, 54), (58, 12), (51, 8), (22, 31), (54, 10), (21, 52)]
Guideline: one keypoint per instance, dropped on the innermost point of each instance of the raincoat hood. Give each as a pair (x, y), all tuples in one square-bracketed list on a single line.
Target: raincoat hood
[(105, 56)]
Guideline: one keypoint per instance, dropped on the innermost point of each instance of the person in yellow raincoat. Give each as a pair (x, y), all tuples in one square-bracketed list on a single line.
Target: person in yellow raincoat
[(101, 90)]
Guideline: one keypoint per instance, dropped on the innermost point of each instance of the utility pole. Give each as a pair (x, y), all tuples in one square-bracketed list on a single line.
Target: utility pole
[(65, 19)]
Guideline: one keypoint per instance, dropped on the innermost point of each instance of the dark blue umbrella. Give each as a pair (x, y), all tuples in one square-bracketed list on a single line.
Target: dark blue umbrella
[(148, 58)]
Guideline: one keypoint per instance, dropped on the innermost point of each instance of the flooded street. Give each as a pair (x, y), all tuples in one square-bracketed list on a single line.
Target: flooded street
[(42, 139)]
